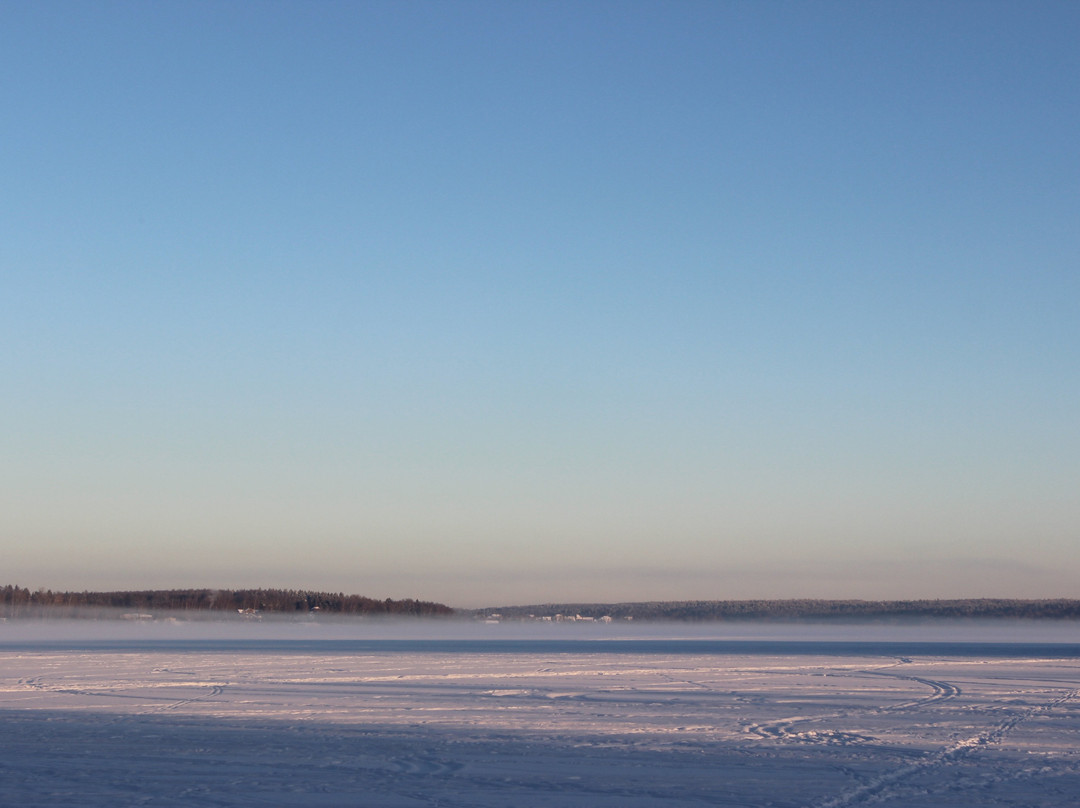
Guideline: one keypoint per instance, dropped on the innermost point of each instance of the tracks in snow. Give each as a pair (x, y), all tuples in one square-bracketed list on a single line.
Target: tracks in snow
[(39, 684), (941, 690), (795, 729), (215, 691), (787, 729), (888, 785)]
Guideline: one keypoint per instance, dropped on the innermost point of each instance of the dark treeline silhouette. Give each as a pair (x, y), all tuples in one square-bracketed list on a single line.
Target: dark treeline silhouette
[(16, 601), (708, 610)]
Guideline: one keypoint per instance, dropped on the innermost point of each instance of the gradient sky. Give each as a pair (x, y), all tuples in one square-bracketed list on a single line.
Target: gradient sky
[(510, 302)]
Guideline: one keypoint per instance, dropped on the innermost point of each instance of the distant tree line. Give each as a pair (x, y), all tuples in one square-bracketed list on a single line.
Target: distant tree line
[(713, 610), (17, 601)]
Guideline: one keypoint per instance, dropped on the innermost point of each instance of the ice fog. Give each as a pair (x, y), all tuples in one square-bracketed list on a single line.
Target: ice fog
[(116, 625)]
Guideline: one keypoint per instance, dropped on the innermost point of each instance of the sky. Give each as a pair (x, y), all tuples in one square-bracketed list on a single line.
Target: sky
[(522, 302)]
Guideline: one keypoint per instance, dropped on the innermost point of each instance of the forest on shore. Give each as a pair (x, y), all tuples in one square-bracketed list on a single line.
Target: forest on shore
[(21, 602)]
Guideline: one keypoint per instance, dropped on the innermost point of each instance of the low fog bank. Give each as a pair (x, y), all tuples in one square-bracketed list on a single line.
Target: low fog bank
[(92, 624), (103, 625)]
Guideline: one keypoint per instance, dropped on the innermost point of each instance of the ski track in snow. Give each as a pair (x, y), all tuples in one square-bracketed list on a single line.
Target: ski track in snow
[(546, 730)]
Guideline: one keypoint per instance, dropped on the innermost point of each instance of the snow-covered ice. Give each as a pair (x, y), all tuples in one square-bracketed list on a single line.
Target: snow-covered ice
[(167, 726)]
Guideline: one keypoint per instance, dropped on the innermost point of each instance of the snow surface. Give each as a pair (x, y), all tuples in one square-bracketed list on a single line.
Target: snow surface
[(165, 727)]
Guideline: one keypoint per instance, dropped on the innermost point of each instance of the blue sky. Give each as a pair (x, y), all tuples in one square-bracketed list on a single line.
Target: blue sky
[(518, 302)]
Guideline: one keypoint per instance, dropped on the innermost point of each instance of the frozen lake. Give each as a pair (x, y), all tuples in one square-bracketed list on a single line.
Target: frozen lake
[(332, 716)]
